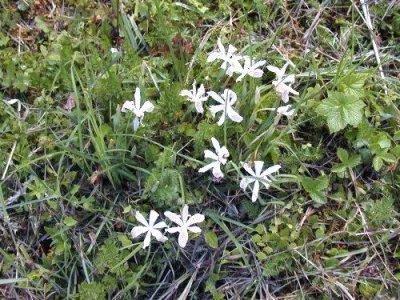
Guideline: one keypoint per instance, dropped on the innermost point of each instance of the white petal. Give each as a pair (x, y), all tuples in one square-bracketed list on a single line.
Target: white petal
[(256, 73), (216, 108), (213, 56), (231, 97), (128, 105), (186, 93), (223, 153), (136, 123), (266, 182), (153, 217), (141, 219), (274, 69), (258, 165), (173, 229), (216, 97), (138, 230), (256, 190), (201, 91), (220, 45), (210, 154), (245, 182), (221, 120), (217, 171), (199, 107), (249, 170), (137, 97), (174, 217), (158, 235), (270, 170), (160, 225), (233, 115), (185, 213), (208, 167), (147, 107), (196, 218), (11, 101), (183, 238), (259, 64), (146, 241), (215, 144), (194, 229)]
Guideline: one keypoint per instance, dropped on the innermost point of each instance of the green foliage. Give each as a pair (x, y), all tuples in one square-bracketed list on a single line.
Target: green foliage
[(91, 291), (73, 171), (341, 109), (316, 188), (347, 162)]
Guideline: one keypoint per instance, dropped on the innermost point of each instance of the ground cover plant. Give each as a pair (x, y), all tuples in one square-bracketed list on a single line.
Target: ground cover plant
[(199, 149)]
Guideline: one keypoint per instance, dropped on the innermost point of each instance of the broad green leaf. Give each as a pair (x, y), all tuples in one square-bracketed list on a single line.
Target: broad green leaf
[(352, 84), (347, 161), (211, 239), (316, 188), (340, 110), (70, 221)]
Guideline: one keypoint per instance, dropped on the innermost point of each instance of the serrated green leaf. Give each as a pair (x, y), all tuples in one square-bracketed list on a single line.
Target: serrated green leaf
[(352, 84), (340, 110), (316, 187)]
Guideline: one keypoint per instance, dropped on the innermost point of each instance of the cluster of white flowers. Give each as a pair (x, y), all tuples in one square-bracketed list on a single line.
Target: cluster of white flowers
[(185, 223), (232, 63)]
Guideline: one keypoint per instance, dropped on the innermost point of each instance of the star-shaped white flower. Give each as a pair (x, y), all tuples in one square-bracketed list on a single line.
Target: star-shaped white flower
[(185, 223), (285, 110), (227, 99), (152, 228), (197, 96), (282, 82), (228, 56), (138, 111), (258, 176), (220, 157), (250, 67)]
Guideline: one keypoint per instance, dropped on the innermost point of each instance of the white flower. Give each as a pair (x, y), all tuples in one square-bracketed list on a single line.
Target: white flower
[(197, 96), (219, 158), (13, 101), (258, 176), (285, 110), (282, 82), (185, 223), (226, 100), (250, 67), (227, 56), (150, 227), (114, 50), (134, 106)]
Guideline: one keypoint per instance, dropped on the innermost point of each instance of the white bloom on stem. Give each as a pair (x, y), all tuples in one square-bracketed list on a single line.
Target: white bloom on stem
[(285, 110), (219, 157), (13, 101), (185, 223), (197, 96), (136, 109), (228, 56), (151, 228), (282, 82), (226, 100), (250, 67), (258, 176)]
